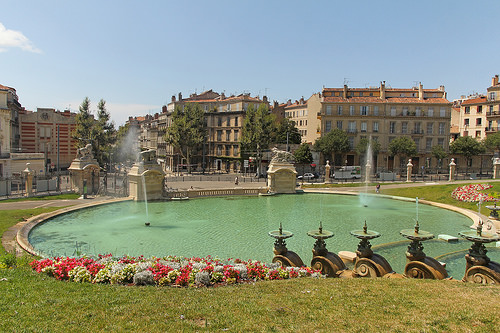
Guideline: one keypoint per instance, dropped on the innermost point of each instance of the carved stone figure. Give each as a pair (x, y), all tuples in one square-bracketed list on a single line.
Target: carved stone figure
[(148, 156), (281, 156), (84, 153)]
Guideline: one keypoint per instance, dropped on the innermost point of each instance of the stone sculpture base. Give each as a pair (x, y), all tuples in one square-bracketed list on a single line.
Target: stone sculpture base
[(281, 177), (84, 172), (152, 176)]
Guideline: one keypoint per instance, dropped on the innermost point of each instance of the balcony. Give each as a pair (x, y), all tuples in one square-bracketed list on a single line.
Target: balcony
[(417, 132), (491, 129), (352, 131)]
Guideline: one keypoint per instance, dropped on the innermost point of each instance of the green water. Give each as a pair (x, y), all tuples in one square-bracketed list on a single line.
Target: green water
[(237, 227)]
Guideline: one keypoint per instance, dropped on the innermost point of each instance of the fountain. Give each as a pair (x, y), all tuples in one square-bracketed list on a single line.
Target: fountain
[(420, 266), (328, 263), (281, 175), (281, 253), (367, 263), (146, 177), (84, 172), (479, 268), (369, 161)]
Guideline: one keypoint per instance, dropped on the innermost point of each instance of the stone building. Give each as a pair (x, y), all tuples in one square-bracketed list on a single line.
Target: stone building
[(9, 127), (49, 132), (384, 114)]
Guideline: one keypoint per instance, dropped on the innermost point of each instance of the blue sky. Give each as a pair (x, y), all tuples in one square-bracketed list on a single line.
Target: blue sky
[(137, 54)]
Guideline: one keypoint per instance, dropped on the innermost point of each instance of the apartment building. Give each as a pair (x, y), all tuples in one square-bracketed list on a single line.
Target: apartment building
[(224, 119), (305, 115), (383, 114), (492, 106), (48, 131)]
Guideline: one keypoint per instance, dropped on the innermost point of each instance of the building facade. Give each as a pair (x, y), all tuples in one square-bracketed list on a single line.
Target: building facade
[(383, 114), (305, 115), (9, 128), (49, 132)]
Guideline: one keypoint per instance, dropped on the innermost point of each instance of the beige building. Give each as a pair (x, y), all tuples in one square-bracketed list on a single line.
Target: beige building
[(492, 106), (224, 118), (9, 128), (383, 114), (305, 114)]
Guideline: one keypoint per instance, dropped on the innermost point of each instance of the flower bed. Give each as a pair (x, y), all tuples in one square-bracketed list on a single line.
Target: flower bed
[(167, 271), (469, 193)]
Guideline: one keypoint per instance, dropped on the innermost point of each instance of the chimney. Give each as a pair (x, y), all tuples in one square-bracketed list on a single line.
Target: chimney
[(180, 97), (264, 99), (289, 102), (345, 91), (494, 80), (302, 100), (382, 90), (420, 91), (173, 98), (222, 96)]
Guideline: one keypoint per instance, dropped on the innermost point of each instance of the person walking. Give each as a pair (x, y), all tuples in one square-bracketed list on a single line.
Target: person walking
[(236, 181), (377, 188)]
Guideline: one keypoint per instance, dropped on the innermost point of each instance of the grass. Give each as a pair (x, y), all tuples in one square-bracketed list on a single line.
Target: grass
[(35, 302), (68, 196)]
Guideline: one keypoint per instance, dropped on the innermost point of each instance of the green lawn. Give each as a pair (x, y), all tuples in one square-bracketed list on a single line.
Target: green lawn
[(68, 196), (36, 302)]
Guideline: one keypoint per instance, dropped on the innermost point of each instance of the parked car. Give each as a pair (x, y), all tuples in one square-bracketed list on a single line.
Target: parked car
[(306, 176)]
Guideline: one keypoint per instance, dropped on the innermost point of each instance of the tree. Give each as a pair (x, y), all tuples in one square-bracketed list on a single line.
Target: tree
[(287, 126), (467, 147), (334, 142), (84, 123), (403, 147), (439, 153), (303, 155), (492, 142), (104, 134), (256, 133), (187, 131)]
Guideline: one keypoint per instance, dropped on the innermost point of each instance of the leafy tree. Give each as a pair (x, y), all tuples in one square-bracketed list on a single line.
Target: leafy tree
[(334, 142), (303, 155), (287, 126), (492, 142), (439, 153), (104, 134), (467, 147), (188, 130), (362, 147), (256, 133), (403, 147)]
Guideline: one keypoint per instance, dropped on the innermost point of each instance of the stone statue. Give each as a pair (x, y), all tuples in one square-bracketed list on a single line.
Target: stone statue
[(281, 156), (148, 156), (84, 153)]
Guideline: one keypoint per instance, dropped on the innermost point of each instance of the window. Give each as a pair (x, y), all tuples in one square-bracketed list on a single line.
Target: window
[(478, 134), (245, 106), (219, 135), (392, 127), (430, 128), (220, 108), (364, 110), (205, 107), (467, 109), (375, 110), (328, 110), (442, 112), (235, 136), (328, 126), (339, 124), (364, 126), (236, 121), (428, 144), (404, 127), (417, 143), (351, 142), (418, 112), (219, 121), (479, 121), (430, 112), (228, 135), (352, 127), (405, 111), (228, 150), (393, 111), (360, 94), (480, 109), (491, 109), (339, 110), (228, 121), (235, 150), (229, 107), (441, 142), (417, 129), (441, 128), (351, 110), (466, 122), (375, 126), (219, 150), (491, 96)]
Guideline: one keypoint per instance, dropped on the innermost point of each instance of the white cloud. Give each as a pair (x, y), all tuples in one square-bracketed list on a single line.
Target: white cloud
[(12, 38)]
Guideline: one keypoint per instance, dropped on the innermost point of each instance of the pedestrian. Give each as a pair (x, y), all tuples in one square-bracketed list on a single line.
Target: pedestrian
[(378, 188), (236, 181)]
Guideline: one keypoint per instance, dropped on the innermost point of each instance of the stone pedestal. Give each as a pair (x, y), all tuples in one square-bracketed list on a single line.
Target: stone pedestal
[(84, 172), (496, 168), (409, 168), (281, 177), (453, 167), (327, 172), (28, 174), (146, 178)]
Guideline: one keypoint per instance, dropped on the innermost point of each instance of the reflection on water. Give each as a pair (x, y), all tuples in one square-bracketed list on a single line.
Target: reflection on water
[(237, 227)]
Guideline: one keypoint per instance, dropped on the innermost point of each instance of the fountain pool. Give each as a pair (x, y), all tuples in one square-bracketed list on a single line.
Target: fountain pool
[(237, 227)]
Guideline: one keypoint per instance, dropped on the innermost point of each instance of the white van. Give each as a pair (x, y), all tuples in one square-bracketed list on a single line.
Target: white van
[(348, 172)]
